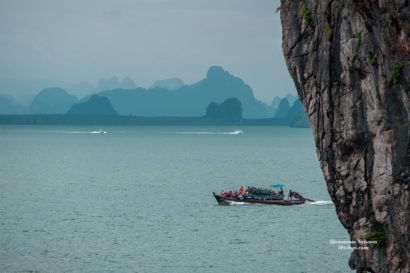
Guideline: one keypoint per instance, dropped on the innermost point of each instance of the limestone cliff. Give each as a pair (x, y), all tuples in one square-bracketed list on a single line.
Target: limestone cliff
[(350, 61)]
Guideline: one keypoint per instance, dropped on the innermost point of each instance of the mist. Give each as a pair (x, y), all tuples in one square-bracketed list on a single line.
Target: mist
[(50, 42)]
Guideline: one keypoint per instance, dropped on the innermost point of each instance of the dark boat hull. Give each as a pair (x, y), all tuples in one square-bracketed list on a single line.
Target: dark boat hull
[(226, 201)]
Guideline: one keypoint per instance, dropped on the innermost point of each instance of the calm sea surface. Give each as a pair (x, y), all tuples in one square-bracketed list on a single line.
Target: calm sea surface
[(139, 199)]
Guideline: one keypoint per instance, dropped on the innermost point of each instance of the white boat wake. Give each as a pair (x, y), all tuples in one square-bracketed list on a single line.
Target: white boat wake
[(236, 132), (321, 203), (100, 131), (235, 203)]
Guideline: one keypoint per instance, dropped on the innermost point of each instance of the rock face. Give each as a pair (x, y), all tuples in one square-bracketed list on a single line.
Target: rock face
[(350, 63)]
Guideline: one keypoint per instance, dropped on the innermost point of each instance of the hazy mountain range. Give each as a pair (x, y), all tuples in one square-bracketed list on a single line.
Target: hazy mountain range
[(188, 100), (114, 83), (169, 97), (170, 84)]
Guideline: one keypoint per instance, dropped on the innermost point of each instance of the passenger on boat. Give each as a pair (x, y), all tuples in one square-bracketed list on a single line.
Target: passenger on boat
[(290, 196), (297, 195), (281, 190), (241, 190)]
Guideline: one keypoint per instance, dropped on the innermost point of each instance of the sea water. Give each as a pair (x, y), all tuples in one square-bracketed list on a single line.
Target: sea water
[(139, 199)]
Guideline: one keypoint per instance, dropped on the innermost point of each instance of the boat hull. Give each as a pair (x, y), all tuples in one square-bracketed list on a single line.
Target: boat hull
[(226, 201)]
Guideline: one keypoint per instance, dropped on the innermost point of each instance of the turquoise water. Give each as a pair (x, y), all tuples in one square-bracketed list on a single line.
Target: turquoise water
[(139, 199)]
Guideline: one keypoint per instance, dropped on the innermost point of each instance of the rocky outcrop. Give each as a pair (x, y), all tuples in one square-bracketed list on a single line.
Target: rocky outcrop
[(350, 63), (94, 106), (283, 109), (297, 117), (230, 110)]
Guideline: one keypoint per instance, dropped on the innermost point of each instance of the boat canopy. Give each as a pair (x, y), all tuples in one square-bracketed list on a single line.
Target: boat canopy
[(278, 185)]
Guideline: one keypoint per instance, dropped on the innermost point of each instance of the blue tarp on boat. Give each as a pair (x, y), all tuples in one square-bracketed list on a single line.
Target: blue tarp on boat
[(278, 185)]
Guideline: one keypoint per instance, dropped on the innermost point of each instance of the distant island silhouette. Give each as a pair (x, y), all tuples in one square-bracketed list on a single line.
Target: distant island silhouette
[(98, 111), (10, 106), (52, 101), (94, 106), (220, 98), (230, 111), (188, 100)]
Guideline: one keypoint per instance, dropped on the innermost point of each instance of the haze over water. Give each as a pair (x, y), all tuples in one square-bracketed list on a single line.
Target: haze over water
[(139, 199)]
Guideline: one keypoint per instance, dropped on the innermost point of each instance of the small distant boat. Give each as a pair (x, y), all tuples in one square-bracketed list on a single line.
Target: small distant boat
[(99, 131), (260, 195), (236, 132)]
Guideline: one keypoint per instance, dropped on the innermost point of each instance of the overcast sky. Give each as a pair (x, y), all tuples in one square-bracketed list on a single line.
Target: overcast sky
[(147, 40)]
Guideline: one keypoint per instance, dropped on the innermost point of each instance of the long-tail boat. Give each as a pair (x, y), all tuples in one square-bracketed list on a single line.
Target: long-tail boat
[(260, 195)]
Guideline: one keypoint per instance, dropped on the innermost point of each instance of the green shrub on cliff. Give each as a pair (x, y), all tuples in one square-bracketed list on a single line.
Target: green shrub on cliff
[(395, 76), (377, 236), (307, 16), (372, 60)]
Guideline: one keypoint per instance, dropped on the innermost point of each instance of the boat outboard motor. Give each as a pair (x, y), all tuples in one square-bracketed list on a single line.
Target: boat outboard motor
[(299, 196)]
